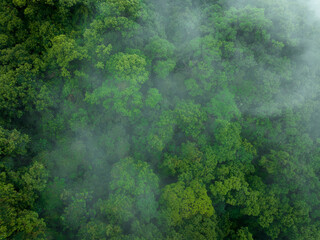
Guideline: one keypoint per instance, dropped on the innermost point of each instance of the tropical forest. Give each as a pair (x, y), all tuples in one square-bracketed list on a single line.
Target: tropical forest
[(159, 119)]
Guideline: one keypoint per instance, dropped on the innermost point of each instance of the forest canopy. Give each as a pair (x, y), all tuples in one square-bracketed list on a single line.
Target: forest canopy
[(146, 119)]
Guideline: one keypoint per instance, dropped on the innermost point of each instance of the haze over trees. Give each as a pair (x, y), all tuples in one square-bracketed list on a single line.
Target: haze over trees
[(145, 119)]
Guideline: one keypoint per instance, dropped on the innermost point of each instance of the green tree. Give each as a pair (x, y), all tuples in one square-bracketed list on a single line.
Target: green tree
[(120, 92), (134, 188), (180, 201)]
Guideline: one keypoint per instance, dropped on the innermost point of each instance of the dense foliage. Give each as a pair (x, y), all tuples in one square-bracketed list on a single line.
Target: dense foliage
[(146, 119)]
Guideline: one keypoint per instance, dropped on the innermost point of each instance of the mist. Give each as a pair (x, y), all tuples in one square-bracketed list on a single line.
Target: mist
[(145, 119)]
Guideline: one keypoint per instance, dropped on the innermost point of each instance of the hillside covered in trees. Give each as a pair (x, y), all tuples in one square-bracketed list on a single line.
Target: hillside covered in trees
[(159, 119)]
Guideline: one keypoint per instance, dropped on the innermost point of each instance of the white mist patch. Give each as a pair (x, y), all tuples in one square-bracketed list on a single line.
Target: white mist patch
[(314, 7), (295, 24)]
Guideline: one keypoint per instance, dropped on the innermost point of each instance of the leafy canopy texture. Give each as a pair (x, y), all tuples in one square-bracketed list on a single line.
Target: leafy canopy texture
[(159, 120)]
